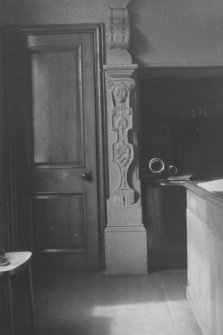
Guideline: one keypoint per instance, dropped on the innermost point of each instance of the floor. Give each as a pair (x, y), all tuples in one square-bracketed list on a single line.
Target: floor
[(99, 304)]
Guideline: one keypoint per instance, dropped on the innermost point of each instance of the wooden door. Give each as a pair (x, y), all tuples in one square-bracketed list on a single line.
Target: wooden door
[(53, 102)]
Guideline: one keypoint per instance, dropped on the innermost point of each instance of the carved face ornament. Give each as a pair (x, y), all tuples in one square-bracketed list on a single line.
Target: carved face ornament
[(120, 94)]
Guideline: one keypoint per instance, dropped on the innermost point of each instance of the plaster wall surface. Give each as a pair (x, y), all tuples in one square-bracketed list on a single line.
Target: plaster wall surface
[(52, 11), (173, 32), (163, 32)]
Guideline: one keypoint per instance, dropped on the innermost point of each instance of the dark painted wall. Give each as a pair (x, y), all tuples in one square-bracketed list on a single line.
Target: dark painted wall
[(182, 122)]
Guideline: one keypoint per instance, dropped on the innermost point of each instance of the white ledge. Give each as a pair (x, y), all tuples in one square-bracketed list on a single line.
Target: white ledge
[(215, 197)]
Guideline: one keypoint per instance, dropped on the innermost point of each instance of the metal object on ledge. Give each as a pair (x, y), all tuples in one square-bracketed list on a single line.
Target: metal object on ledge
[(156, 165), (171, 169)]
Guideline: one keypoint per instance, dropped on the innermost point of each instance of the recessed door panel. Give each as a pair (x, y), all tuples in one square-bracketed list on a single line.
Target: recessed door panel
[(57, 106), (59, 223)]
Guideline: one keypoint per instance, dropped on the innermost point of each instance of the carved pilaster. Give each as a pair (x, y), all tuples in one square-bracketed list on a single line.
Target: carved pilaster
[(125, 235), (120, 85)]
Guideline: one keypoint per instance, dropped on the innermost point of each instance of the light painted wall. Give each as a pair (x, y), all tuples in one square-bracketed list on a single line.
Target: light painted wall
[(177, 32), (52, 11), (164, 32)]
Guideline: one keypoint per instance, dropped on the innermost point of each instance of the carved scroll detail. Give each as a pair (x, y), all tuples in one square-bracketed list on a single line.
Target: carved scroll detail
[(118, 28), (118, 33), (122, 149)]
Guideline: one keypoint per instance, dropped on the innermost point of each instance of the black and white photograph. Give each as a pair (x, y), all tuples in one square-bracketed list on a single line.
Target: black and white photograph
[(111, 167)]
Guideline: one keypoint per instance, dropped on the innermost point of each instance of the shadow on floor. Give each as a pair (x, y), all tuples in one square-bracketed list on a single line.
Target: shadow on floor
[(90, 326)]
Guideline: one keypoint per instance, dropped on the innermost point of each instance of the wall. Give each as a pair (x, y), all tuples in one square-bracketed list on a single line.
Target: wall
[(164, 32), (173, 32), (182, 122), (52, 11)]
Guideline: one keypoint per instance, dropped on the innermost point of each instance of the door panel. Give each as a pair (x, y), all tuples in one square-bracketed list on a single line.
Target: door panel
[(53, 119), (165, 218), (59, 222), (57, 108)]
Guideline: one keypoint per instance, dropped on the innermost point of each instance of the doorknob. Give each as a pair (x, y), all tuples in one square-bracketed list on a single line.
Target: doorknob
[(86, 176)]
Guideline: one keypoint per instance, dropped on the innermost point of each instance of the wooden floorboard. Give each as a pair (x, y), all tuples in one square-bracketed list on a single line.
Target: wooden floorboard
[(100, 304)]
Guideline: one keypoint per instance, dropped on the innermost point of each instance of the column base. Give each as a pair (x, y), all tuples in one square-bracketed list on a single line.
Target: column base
[(126, 250)]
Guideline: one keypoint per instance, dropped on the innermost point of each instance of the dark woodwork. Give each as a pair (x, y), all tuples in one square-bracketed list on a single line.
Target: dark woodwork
[(154, 72), (59, 222), (181, 111), (164, 210), (182, 119), (54, 98)]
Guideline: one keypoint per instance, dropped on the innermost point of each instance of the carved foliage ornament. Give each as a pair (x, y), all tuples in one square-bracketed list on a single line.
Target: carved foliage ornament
[(122, 150), (118, 28)]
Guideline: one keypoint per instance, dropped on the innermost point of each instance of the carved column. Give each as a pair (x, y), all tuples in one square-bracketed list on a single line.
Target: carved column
[(125, 235), (119, 90)]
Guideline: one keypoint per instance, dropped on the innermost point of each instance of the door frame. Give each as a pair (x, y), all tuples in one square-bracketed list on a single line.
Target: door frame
[(11, 242)]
